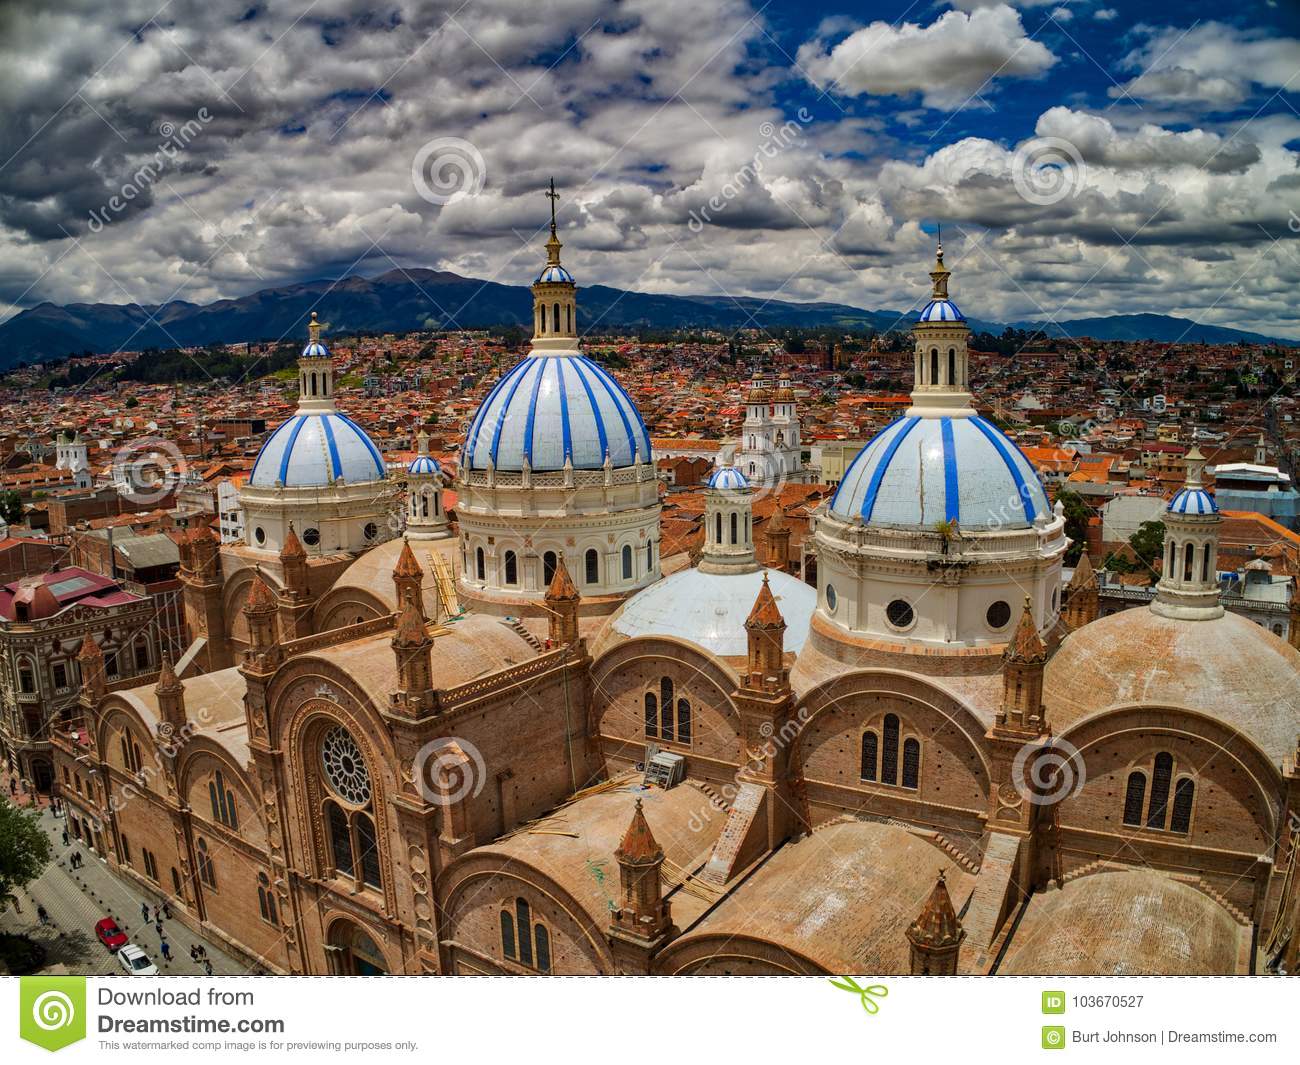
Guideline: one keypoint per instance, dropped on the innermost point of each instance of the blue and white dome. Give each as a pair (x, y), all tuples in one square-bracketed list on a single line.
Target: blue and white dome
[(316, 449), (1193, 501), (552, 407), (315, 350), (425, 465), (554, 272), (918, 472), (941, 311), (728, 478)]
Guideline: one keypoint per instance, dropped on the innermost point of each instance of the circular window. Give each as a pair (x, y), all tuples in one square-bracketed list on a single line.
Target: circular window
[(311, 537), (345, 769), (832, 600), (900, 613), (998, 614), (370, 531), (259, 534)]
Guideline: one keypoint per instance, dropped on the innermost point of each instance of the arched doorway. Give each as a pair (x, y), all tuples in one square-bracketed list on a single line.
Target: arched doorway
[(353, 953)]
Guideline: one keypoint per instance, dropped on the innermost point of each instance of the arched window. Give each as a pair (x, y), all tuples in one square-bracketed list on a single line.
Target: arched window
[(141, 653), (543, 942), (889, 756), (523, 920), (480, 565), (207, 872), (651, 714), (1161, 776), (650, 557), (733, 527), (1184, 796), (340, 837), (550, 562), (555, 318), (512, 568), (1205, 564), (265, 900), (1189, 554), (717, 528), (368, 847), (952, 366), (683, 721), (627, 562), (568, 317), (869, 744), (934, 366), (507, 935), (424, 504), (1134, 796), (223, 801), (541, 319), (591, 563), (911, 763), (313, 383), (666, 708)]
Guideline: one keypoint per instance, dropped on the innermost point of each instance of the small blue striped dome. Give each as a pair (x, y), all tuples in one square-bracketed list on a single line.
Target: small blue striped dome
[(317, 449), (1193, 501), (424, 464), (315, 350), (728, 477), (551, 407), (555, 273), (941, 311), (917, 472)]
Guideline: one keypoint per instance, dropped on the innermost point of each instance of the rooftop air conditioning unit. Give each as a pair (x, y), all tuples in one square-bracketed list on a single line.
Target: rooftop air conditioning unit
[(665, 769)]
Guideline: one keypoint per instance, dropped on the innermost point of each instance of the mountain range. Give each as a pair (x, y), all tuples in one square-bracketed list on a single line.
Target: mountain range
[(404, 300)]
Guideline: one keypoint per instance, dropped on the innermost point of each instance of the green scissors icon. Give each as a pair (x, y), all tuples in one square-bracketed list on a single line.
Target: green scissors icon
[(867, 995)]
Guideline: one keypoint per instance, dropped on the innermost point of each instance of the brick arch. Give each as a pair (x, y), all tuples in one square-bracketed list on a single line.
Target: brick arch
[(115, 716), (342, 606), (468, 878), (622, 675), (752, 955), (234, 595), (1111, 740), (333, 921), (955, 772), (201, 753)]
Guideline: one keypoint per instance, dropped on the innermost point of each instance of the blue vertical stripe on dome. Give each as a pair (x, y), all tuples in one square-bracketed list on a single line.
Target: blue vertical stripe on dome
[(612, 382), (266, 448), (882, 467), (336, 467), (532, 414), (471, 441), (951, 490), (287, 454), (609, 387), (860, 457), (369, 444), (595, 407), (564, 409), (526, 365), (1022, 487)]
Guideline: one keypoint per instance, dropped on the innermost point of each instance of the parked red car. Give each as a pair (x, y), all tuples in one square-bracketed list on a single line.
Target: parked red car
[(109, 934)]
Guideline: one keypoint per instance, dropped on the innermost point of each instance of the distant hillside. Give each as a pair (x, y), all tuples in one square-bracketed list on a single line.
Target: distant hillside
[(1158, 327), (400, 301)]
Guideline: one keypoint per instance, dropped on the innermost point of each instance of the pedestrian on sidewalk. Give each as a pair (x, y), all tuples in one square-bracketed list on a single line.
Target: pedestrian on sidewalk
[(13, 786), (207, 967), (157, 912), (166, 951), (66, 838), (167, 910), (194, 954), (157, 925), (42, 915), (144, 911)]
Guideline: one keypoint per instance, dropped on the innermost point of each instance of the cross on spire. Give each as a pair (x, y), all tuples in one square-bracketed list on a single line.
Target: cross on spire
[(554, 197)]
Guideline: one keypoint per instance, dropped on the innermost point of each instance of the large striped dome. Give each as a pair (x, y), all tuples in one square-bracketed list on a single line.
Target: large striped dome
[(941, 311), (918, 472), (553, 407), (316, 449)]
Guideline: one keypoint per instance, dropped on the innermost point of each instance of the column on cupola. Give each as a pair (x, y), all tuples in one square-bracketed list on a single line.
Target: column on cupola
[(728, 524), (941, 362), (555, 297), (1189, 582), (315, 373)]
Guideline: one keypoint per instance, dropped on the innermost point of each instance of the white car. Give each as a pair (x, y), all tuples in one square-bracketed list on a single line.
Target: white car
[(135, 961)]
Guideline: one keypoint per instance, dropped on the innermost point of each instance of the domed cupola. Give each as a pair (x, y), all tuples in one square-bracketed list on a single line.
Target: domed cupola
[(556, 463), (728, 523), (425, 517), (319, 471), (940, 524), (1188, 588)]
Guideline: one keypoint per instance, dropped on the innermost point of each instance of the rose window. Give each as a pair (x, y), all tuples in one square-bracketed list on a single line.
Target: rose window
[(345, 769)]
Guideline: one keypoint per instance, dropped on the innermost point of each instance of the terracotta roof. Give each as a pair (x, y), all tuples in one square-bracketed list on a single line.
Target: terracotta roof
[(638, 841), (411, 631), (561, 583), (407, 566), (260, 598), (937, 926), (167, 679), (1083, 576), (766, 614), (1025, 645), (293, 549)]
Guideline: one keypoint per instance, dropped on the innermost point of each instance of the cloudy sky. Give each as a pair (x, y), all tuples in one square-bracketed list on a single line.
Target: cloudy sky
[(1084, 156)]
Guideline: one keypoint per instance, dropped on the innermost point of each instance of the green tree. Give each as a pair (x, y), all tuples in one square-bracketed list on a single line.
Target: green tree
[(1077, 513), (1148, 542), (24, 850), (11, 507)]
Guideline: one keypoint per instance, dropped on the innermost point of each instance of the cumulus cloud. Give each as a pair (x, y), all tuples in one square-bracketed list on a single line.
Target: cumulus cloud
[(947, 62), (1105, 14)]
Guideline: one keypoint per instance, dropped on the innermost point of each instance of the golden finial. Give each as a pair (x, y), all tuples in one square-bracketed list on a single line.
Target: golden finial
[(313, 328)]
